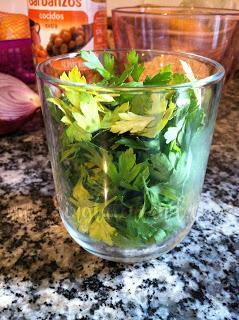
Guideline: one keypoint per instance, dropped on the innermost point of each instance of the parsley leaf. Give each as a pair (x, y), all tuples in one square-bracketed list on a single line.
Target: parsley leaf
[(109, 62), (126, 173), (160, 121), (75, 133), (113, 116), (160, 79), (92, 62), (89, 215), (133, 64), (73, 76), (131, 122), (88, 115), (141, 103), (126, 155), (160, 168)]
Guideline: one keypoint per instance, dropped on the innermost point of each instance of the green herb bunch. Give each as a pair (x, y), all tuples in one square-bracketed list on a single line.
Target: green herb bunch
[(126, 153)]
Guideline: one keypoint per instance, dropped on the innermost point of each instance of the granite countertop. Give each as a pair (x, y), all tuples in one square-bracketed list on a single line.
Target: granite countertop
[(45, 275)]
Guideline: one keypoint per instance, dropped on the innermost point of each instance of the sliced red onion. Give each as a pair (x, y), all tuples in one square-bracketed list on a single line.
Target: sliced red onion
[(17, 103)]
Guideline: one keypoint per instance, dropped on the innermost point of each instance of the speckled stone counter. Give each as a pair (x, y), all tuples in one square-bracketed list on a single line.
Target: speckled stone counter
[(45, 275)]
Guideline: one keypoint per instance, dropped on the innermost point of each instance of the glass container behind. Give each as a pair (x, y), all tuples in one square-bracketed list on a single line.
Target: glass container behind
[(209, 32)]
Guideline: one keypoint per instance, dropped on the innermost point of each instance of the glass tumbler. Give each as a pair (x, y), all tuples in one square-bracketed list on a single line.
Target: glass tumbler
[(209, 32), (128, 176)]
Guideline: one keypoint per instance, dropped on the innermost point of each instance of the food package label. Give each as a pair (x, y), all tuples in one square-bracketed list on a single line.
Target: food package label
[(64, 26)]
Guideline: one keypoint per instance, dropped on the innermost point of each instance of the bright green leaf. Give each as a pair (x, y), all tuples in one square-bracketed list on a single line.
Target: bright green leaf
[(93, 62), (109, 62)]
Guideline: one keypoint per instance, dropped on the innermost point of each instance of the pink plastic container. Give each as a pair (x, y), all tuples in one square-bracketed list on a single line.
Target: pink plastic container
[(15, 41), (16, 59)]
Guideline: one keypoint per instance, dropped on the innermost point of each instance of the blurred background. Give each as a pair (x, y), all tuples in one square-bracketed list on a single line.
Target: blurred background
[(231, 4), (25, 41)]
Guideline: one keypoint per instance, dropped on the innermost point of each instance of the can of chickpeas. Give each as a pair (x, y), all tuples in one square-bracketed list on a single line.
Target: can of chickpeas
[(64, 26)]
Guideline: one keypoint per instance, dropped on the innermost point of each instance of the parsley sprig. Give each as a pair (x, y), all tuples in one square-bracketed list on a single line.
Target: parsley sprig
[(126, 156)]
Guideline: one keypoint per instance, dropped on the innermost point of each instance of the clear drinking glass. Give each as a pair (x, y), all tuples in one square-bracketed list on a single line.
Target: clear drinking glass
[(126, 196), (212, 33)]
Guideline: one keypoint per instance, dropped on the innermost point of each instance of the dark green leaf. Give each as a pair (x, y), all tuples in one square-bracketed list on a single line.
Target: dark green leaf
[(161, 168), (152, 145), (160, 79)]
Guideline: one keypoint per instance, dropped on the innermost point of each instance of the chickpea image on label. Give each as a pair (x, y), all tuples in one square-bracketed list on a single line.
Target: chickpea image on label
[(66, 36), (58, 42), (64, 48), (80, 40), (68, 40), (72, 44)]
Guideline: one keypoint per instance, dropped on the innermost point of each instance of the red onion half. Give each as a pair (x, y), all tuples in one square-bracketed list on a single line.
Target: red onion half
[(17, 103)]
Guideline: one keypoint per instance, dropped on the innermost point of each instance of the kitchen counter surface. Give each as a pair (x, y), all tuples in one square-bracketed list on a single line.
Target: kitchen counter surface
[(45, 275)]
